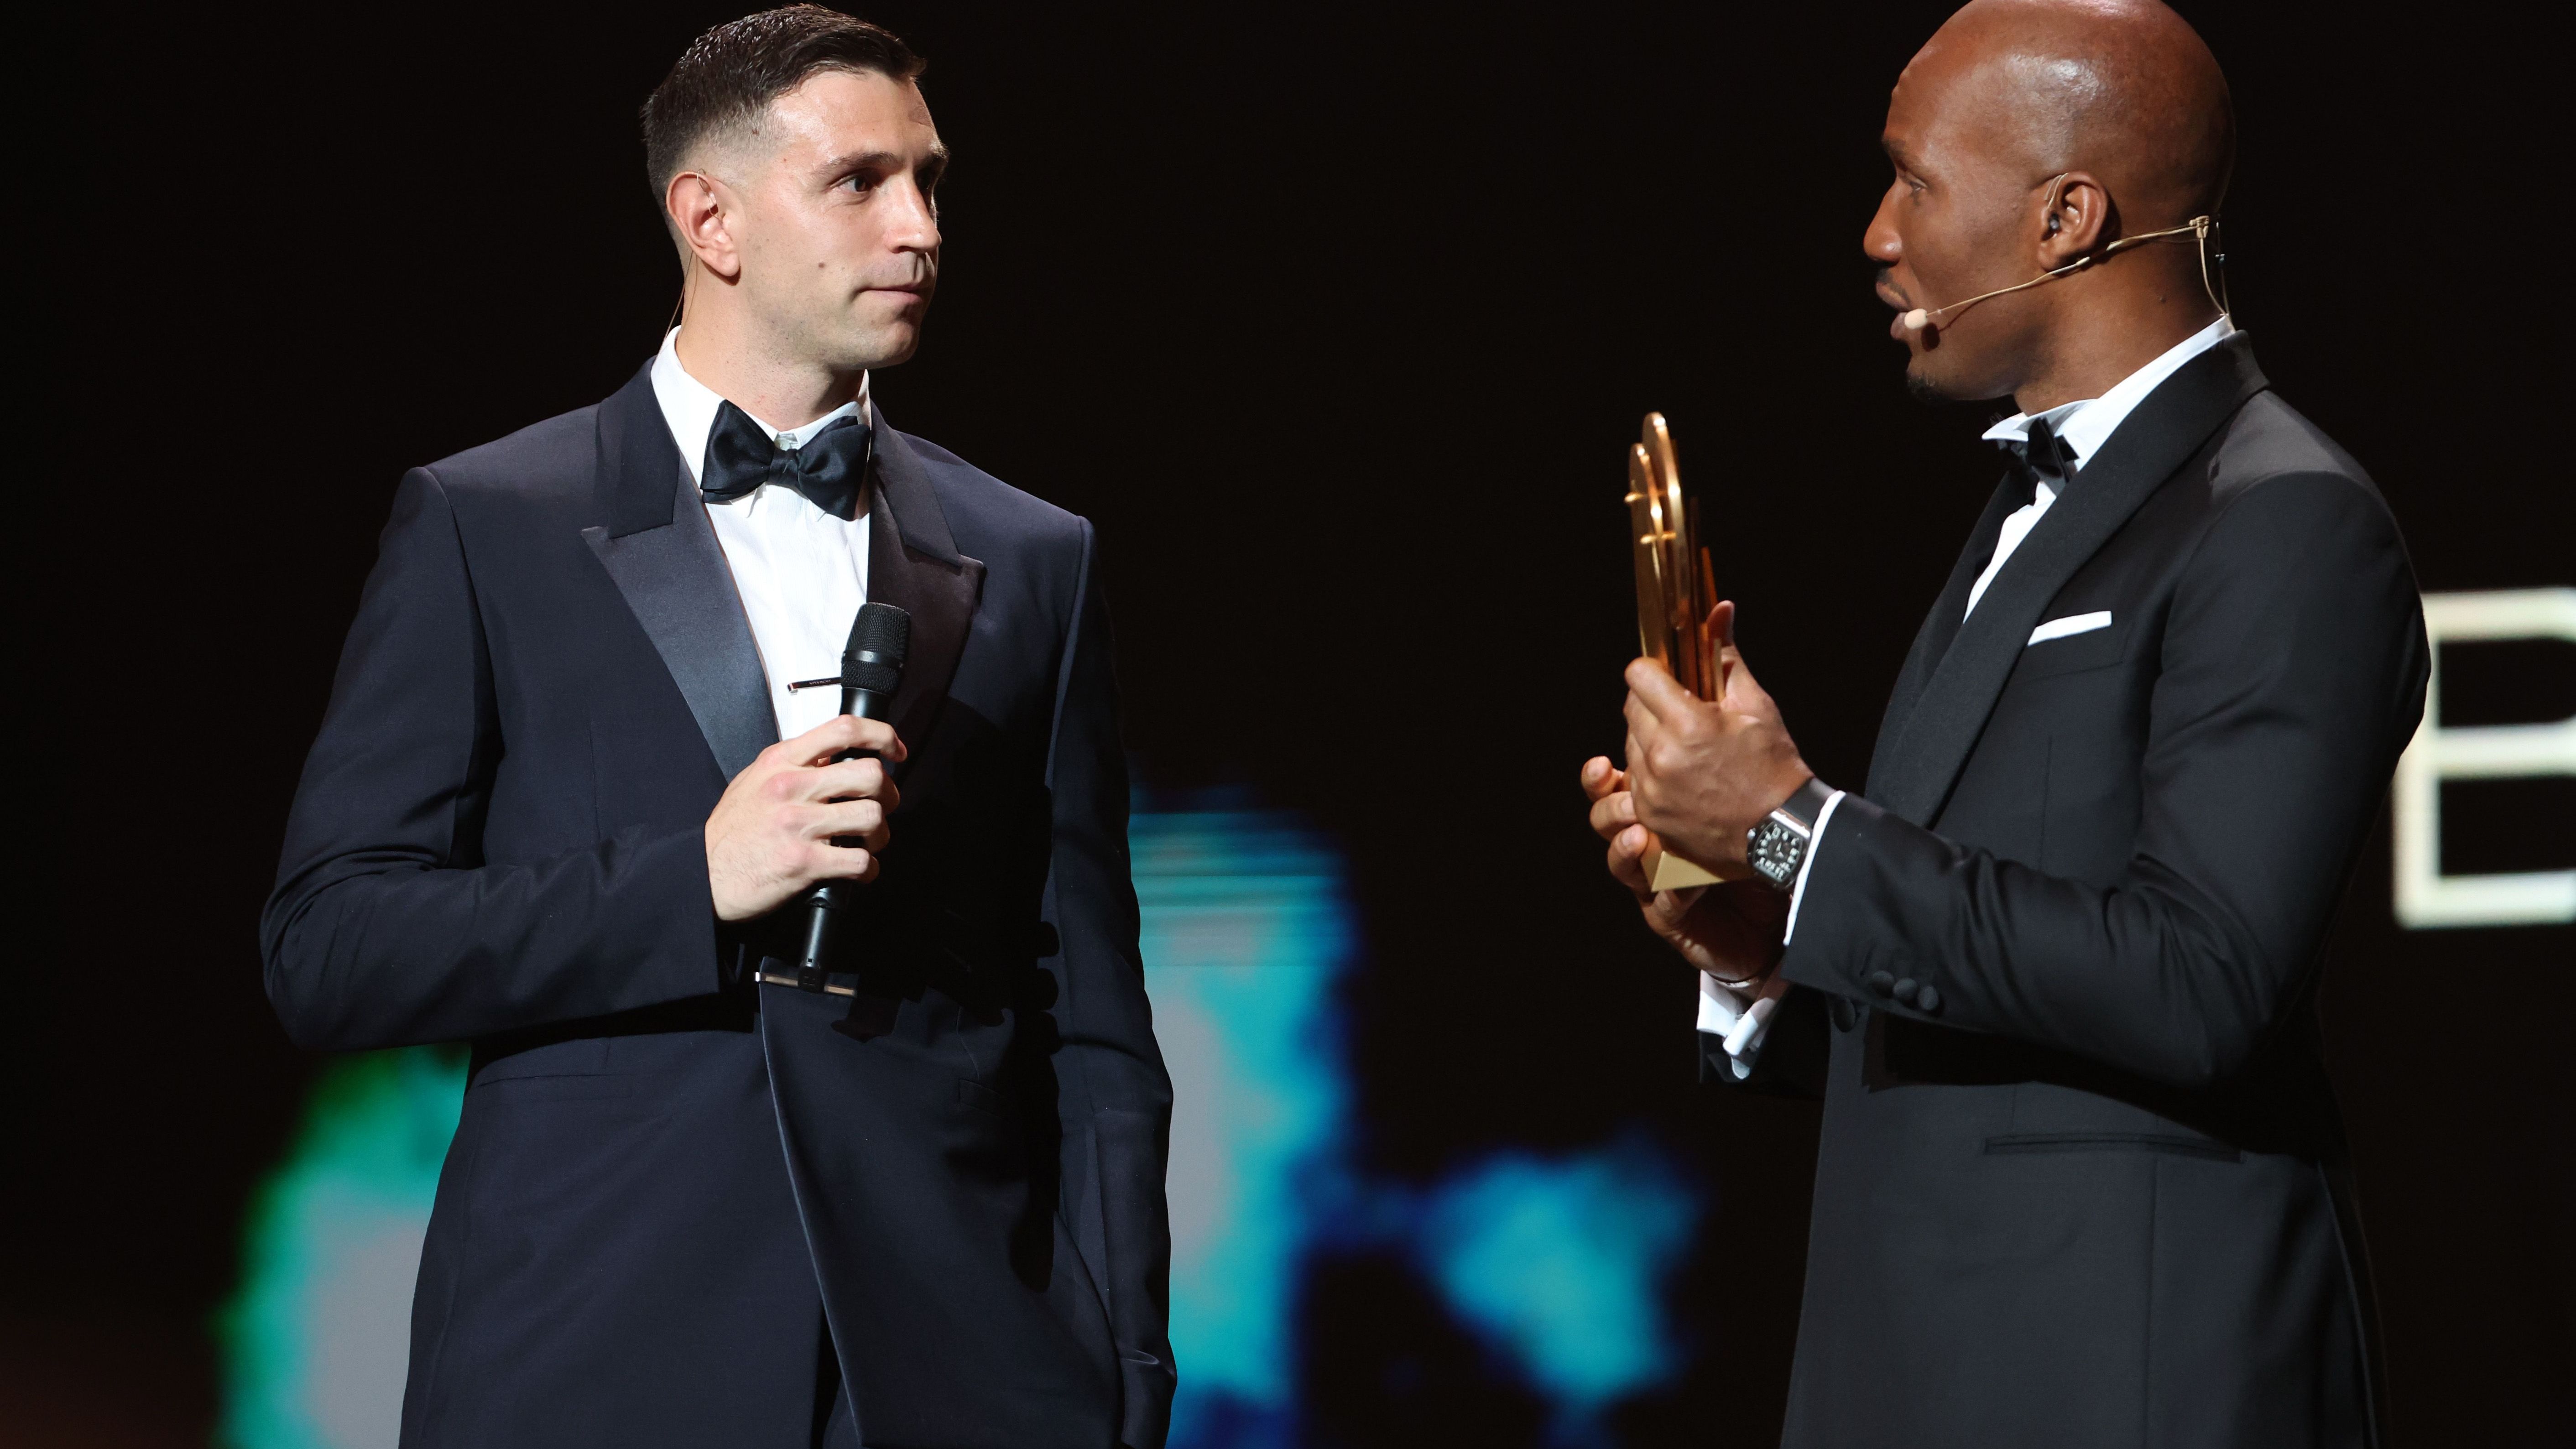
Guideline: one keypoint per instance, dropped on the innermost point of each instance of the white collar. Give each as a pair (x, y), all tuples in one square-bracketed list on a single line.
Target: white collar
[(689, 406), (2087, 424)]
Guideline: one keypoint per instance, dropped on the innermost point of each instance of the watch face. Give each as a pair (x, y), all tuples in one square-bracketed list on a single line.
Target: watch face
[(1774, 850)]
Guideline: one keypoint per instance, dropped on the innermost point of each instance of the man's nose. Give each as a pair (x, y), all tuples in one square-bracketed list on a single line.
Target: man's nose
[(1881, 240), (917, 228)]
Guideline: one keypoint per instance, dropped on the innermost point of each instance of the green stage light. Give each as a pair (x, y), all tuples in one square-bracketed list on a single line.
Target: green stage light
[(316, 1342)]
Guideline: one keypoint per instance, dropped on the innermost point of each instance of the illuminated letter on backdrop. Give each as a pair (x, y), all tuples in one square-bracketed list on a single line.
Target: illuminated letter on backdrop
[(2425, 896)]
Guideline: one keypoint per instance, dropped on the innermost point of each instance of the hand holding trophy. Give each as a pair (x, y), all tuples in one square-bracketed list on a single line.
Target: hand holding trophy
[(1675, 597), (1705, 746)]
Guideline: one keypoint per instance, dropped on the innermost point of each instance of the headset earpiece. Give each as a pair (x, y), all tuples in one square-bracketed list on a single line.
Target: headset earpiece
[(1923, 319)]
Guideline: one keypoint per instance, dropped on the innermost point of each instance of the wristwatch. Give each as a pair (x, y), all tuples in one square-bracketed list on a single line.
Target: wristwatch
[(1778, 846)]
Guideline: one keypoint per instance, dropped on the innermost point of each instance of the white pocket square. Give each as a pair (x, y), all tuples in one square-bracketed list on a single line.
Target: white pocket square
[(2071, 624)]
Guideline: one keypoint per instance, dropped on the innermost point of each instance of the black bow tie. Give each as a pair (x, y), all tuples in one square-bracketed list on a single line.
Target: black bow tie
[(2045, 456), (829, 470)]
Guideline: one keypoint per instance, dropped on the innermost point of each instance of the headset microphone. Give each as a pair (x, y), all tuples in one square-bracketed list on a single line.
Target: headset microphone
[(2201, 228)]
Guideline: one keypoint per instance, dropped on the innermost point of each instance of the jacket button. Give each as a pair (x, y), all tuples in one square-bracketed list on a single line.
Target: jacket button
[(1927, 1000), (1845, 1015), (1880, 984), (1905, 990)]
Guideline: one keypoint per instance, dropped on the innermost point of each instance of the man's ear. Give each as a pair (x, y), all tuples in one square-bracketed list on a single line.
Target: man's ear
[(2076, 219), (701, 211)]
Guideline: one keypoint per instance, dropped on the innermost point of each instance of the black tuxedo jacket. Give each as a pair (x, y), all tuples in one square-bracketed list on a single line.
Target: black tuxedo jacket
[(668, 1179), (2081, 1180)]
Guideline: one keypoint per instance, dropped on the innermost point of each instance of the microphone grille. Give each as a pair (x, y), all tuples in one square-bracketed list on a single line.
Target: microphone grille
[(883, 631)]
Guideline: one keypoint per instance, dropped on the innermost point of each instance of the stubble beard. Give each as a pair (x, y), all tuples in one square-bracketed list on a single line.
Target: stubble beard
[(1923, 389), (833, 336)]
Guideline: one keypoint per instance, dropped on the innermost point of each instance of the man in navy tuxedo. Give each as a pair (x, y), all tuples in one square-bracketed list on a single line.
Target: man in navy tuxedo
[(564, 788)]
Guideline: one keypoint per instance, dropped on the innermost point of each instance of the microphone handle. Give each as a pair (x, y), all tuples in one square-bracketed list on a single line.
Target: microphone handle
[(826, 903)]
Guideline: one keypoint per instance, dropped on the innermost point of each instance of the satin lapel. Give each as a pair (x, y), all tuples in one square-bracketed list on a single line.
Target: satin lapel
[(663, 555), (1942, 624), (913, 564), (1913, 777)]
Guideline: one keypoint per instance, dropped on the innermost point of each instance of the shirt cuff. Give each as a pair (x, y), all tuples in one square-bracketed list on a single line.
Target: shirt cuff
[(1815, 844), (1738, 1024)]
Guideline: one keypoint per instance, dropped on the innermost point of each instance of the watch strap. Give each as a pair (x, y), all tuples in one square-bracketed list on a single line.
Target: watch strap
[(1806, 805)]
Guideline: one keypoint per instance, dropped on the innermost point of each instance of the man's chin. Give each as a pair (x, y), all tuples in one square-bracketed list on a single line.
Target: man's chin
[(1921, 385), (882, 345), (1928, 380)]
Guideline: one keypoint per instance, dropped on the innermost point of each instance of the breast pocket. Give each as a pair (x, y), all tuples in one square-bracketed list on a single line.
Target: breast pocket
[(2093, 648)]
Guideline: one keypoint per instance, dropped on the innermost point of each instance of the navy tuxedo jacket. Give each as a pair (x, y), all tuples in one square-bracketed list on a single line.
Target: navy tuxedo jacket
[(680, 1208), (2082, 1175)]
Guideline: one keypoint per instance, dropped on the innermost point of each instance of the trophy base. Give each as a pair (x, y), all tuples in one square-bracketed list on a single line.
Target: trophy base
[(1666, 871)]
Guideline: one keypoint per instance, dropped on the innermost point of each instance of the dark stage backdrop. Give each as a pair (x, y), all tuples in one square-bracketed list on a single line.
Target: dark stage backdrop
[(1337, 321)]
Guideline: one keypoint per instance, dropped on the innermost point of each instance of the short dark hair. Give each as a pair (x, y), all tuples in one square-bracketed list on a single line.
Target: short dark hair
[(730, 75)]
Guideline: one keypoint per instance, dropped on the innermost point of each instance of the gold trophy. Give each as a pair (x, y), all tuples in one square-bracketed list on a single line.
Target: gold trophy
[(1674, 596)]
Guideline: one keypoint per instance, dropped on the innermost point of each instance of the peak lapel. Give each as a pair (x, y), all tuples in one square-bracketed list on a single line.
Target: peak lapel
[(664, 558), (1942, 624), (913, 564), (1912, 777)]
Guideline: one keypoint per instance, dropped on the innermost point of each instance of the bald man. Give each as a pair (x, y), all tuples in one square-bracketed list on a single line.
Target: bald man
[(2053, 970)]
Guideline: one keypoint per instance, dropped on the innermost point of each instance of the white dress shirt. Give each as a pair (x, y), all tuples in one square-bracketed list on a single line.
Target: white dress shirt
[(801, 572), (2084, 426)]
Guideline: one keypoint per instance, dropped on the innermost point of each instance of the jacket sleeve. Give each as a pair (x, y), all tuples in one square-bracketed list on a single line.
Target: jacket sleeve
[(387, 926), (1115, 1098), (2293, 673)]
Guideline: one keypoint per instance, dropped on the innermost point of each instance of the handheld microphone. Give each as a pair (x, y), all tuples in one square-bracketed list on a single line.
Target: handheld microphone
[(871, 671)]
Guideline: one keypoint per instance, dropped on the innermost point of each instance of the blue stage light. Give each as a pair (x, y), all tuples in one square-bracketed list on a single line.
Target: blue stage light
[(1246, 929), (1560, 1263)]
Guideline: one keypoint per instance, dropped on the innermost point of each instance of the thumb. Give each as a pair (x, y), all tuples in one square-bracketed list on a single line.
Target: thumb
[(1720, 636), (1743, 693)]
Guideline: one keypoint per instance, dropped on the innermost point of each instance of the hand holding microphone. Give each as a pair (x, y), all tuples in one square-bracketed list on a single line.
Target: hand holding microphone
[(871, 672), (773, 833), (781, 826)]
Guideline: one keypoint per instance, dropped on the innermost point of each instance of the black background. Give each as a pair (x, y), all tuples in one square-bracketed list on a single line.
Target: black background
[(1337, 321)]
